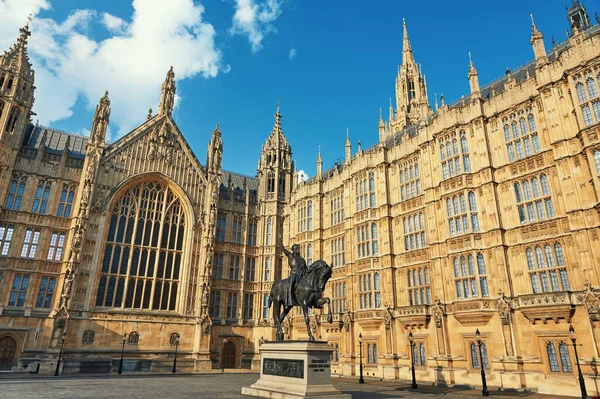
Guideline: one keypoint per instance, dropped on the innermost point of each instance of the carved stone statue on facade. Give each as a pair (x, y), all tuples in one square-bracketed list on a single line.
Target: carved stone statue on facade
[(307, 292), (437, 311), (205, 295), (504, 308), (346, 320)]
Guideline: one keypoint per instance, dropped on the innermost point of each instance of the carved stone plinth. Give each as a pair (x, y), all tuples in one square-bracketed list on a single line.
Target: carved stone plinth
[(295, 369)]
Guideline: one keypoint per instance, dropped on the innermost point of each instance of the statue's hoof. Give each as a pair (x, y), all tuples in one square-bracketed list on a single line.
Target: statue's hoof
[(330, 319)]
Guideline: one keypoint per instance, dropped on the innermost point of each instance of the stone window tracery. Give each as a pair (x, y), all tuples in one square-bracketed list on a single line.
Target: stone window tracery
[(6, 233), (66, 201), (410, 181), (338, 257), (142, 257), (221, 227), (474, 350), (338, 297), (586, 88), (42, 193), (419, 288), (337, 208), (414, 231), (534, 199), (470, 278), (458, 215), (46, 292), (215, 304), (368, 292), (563, 355), (365, 192), (236, 234), (15, 193), (19, 290), (454, 162), (520, 135), (597, 160), (252, 232), (217, 269), (30, 243), (305, 216), (547, 268), (367, 240), (57, 242)]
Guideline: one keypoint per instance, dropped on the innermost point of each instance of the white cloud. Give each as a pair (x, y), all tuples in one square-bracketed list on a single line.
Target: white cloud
[(114, 24), (293, 53), (302, 177), (131, 63), (255, 19)]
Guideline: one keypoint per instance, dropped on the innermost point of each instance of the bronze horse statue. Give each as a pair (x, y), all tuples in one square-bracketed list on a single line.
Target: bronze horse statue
[(307, 293)]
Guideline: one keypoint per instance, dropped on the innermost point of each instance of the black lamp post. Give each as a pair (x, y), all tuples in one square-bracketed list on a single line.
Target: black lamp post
[(573, 337), (175, 358), (122, 352), (361, 380), (62, 344), (484, 390), (412, 360)]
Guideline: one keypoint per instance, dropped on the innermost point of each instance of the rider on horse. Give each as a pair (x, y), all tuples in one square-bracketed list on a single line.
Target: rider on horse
[(298, 267)]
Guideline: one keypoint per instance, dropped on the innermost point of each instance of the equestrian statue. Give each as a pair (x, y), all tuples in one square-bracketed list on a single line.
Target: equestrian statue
[(303, 288)]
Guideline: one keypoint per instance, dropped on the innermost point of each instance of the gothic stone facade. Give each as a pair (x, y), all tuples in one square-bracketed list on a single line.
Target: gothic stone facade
[(483, 214)]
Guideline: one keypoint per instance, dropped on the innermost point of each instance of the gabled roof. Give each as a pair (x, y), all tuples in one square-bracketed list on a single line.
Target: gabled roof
[(237, 180)]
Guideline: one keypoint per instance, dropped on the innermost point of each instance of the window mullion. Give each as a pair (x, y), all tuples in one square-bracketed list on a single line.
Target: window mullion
[(131, 254)]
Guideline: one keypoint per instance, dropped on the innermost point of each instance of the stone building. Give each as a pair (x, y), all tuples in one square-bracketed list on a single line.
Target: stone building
[(478, 215)]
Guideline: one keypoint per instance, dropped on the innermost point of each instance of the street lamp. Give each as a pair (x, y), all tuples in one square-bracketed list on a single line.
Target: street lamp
[(484, 390), (412, 360), (175, 358), (122, 352), (361, 380), (62, 344), (573, 337)]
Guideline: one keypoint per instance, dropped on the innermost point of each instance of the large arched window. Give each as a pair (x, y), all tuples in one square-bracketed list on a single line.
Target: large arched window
[(142, 257)]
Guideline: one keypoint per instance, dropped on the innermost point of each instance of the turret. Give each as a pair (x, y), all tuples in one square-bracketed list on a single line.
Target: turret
[(411, 91), (214, 155), (348, 146), (578, 17), (473, 80), (319, 165), (100, 122), (537, 42), (16, 90), (167, 96)]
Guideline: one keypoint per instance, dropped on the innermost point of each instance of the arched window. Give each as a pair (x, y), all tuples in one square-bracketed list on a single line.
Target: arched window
[(596, 157), (531, 120), (309, 254), (142, 257), (2, 78), (271, 182), (374, 244), (310, 212), (565, 358), (41, 198), (269, 232), (415, 354), (1, 106), (265, 306), (369, 354), (423, 357), (66, 201), (12, 119), (374, 353), (15, 193), (552, 358), (371, 189), (9, 85), (591, 86)]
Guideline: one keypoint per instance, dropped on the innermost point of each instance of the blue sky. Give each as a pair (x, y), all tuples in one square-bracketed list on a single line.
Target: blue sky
[(343, 71)]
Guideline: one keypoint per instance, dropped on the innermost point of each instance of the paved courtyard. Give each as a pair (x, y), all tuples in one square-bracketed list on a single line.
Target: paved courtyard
[(205, 386)]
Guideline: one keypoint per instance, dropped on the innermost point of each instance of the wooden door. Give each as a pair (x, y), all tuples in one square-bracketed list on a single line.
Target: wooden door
[(229, 355), (8, 348)]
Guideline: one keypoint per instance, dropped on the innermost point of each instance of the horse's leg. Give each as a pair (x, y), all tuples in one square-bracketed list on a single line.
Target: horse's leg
[(330, 317), (320, 303), (307, 321), (276, 316)]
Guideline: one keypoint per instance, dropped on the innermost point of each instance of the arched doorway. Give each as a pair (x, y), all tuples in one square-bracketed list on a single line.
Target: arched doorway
[(8, 349), (229, 356)]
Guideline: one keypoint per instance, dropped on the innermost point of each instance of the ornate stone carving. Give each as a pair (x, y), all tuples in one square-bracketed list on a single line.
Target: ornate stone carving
[(437, 311), (504, 308), (88, 337), (591, 302), (205, 294), (387, 318), (346, 320), (284, 368)]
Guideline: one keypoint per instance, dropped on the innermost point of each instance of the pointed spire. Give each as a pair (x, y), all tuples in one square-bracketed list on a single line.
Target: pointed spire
[(407, 55), (537, 42), (100, 121), (319, 163), (473, 78), (167, 96), (277, 137), (437, 107), (348, 146), (380, 117), (391, 110)]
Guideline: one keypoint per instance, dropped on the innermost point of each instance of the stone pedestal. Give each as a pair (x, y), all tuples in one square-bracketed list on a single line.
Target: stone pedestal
[(295, 369)]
